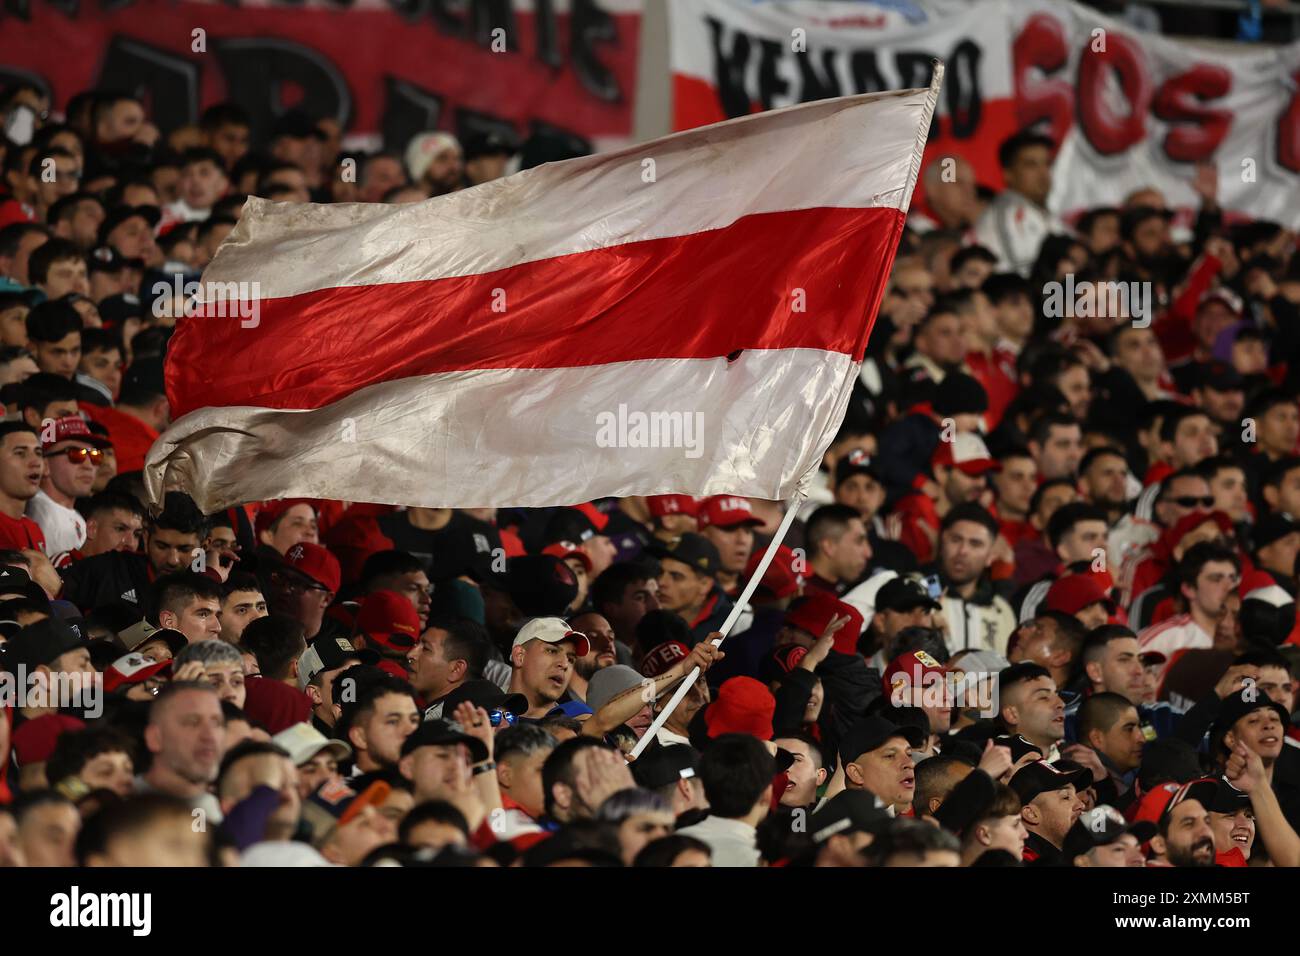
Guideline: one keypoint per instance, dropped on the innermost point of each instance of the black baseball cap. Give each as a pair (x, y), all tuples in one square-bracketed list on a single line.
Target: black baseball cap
[(485, 694), (41, 642), (872, 732), (1273, 527), (490, 143), (856, 462), (437, 733), (1041, 777), (1243, 702), (1102, 826), (330, 653), (116, 309), (662, 765), (904, 594), (16, 581), (1215, 794), (692, 549), (850, 811)]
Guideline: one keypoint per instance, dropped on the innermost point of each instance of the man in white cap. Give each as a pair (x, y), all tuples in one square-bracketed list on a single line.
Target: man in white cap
[(436, 162), (315, 755), (542, 660)]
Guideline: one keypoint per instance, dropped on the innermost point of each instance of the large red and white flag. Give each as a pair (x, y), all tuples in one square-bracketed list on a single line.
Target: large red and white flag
[(685, 315)]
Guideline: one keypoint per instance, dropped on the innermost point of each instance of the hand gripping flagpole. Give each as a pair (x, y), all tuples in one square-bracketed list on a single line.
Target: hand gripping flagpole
[(741, 602)]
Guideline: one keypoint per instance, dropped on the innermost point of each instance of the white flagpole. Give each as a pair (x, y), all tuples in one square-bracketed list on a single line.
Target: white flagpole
[(791, 508)]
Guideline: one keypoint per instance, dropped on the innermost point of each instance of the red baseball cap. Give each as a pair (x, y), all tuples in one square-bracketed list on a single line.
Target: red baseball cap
[(34, 739), (316, 563), (814, 612), (661, 505), (1072, 593), (662, 657), (911, 668), (73, 428), (132, 668), (567, 549), (726, 511), (780, 579), (967, 452), (273, 511), (390, 619), (597, 517), (743, 706)]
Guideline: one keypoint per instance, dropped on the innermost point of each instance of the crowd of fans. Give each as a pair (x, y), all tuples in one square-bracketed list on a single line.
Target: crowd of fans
[(1038, 608)]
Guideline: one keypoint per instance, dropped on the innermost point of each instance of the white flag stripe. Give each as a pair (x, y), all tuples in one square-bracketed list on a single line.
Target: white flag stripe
[(525, 437), (853, 152)]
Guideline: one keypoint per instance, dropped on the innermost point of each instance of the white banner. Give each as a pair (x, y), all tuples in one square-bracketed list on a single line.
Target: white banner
[(1128, 109)]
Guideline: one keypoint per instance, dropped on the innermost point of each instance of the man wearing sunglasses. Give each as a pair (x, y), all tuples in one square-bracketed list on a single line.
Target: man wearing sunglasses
[(72, 454)]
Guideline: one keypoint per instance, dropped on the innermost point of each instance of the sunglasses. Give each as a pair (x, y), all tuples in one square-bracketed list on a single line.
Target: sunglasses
[(295, 584), (500, 716), (1189, 501), (78, 454)]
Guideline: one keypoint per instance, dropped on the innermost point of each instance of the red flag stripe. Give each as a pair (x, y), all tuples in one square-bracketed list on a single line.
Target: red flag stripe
[(681, 297)]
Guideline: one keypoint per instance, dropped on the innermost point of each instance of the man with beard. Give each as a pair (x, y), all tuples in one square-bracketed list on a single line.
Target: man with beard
[(977, 618), (447, 656), (184, 735), (1103, 478), (304, 585), (600, 654), (1185, 837)]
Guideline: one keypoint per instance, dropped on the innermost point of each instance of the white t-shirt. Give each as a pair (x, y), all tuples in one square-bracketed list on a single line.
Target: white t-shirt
[(64, 528)]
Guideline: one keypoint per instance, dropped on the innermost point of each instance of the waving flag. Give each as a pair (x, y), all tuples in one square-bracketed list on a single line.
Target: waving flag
[(686, 315)]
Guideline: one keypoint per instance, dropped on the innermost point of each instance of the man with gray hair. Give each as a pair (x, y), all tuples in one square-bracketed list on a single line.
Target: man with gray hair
[(223, 667), (185, 736), (520, 752)]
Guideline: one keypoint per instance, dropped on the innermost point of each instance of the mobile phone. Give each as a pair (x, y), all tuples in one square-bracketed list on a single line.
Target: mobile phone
[(933, 586)]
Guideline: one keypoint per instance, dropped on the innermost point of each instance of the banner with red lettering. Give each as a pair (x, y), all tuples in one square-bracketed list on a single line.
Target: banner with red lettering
[(1128, 109), (389, 67)]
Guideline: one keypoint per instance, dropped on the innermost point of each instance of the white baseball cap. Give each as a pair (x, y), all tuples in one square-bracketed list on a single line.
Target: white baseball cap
[(303, 741), (552, 630)]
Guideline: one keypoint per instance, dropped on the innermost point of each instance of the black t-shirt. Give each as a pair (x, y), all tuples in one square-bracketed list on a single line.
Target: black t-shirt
[(464, 545)]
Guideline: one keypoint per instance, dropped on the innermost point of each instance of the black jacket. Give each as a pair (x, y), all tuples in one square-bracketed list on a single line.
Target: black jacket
[(114, 576)]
